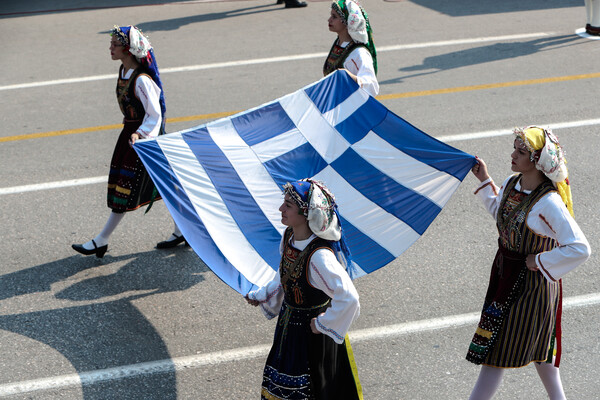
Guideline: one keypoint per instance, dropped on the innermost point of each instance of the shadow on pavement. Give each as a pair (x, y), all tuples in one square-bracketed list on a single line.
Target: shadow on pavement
[(461, 8), (455, 8), (99, 336), (176, 23), (484, 54), (12, 9), (159, 271), (111, 333)]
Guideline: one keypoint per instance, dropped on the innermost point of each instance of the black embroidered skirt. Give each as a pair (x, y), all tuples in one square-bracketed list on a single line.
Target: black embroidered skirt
[(129, 185), (302, 365)]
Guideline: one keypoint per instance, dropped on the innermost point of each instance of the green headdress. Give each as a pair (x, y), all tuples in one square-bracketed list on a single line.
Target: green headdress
[(357, 21)]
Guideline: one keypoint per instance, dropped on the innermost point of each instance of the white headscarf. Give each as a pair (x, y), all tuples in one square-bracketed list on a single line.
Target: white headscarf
[(139, 45), (357, 25), (545, 151), (318, 206), (321, 218), (131, 36)]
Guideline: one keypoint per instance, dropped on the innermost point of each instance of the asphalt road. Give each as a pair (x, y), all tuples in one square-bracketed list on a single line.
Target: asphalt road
[(149, 324)]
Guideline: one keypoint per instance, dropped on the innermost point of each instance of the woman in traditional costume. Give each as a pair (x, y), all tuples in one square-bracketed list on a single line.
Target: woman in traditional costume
[(353, 49), (315, 299), (539, 242), (141, 99)]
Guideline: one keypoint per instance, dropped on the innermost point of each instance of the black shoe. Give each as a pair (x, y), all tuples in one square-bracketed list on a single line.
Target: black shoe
[(295, 4), (280, 2), (592, 30), (167, 244), (98, 251)]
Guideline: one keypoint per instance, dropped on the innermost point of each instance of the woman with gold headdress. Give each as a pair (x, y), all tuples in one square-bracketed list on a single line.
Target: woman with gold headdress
[(354, 49), (315, 300), (539, 242)]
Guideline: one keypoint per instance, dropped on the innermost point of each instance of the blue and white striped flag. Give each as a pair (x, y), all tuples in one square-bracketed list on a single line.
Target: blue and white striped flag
[(222, 181)]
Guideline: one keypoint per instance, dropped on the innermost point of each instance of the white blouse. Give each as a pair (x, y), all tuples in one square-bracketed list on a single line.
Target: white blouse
[(148, 93), (360, 63), (548, 217), (326, 274)]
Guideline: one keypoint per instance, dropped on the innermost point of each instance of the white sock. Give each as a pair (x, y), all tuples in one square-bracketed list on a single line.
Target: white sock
[(102, 238), (595, 13), (488, 382), (550, 377), (176, 233), (589, 11)]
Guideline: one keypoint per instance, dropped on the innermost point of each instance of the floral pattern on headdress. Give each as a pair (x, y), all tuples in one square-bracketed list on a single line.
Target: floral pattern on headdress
[(546, 152), (132, 37), (353, 17), (139, 46), (356, 20), (318, 206), (549, 158)]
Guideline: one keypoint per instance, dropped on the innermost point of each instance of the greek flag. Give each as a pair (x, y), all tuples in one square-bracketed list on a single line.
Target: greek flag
[(222, 181)]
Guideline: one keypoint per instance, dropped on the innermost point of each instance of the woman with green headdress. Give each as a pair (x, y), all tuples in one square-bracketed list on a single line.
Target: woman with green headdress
[(539, 242), (353, 50)]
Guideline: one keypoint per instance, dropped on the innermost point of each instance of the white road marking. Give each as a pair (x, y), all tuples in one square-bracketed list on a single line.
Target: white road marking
[(447, 139), (53, 185), (289, 58), (504, 132), (247, 353)]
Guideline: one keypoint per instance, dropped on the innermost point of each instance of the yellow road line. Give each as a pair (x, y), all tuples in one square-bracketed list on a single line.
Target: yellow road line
[(109, 127), (381, 98), (489, 86)]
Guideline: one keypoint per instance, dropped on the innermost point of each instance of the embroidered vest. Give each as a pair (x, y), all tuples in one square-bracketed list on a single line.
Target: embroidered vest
[(298, 292), (512, 216), (131, 107), (337, 56)]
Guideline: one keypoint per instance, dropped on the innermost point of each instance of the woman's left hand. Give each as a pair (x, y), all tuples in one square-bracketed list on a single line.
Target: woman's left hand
[(530, 262), (313, 325), (251, 301), (354, 77), (134, 136)]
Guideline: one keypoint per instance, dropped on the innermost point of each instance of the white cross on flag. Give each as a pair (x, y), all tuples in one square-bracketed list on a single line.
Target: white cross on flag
[(222, 181)]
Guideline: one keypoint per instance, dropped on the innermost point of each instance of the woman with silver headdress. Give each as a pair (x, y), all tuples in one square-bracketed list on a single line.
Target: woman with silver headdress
[(354, 49), (539, 242), (315, 300), (141, 99)]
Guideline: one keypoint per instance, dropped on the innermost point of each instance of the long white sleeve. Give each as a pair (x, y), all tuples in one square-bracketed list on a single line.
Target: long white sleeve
[(149, 93), (490, 195), (270, 297), (327, 274), (548, 217), (360, 63)]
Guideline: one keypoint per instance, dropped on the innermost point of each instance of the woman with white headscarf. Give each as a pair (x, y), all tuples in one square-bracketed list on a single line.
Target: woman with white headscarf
[(141, 99), (315, 300), (539, 242), (354, 49)]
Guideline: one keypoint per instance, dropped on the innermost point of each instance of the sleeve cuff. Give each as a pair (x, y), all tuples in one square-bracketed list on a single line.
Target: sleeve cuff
[(483, 184), (542, 268), (329, 332)]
